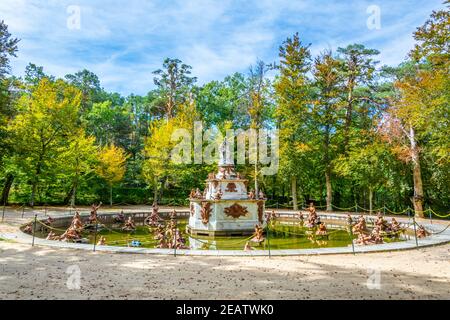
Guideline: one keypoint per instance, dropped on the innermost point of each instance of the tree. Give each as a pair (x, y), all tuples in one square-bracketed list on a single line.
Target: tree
[(366, 163), (173, 82), (325, 112), (158, 167), (77, 160), (224, 101), (258, 103), (417, 120), (157, 153), (102, 122), (34, 74), (89, 85), (111, 166), (431, 55), (8, 48), (357, 69), (293, 97), (433, 39), (44, 118)]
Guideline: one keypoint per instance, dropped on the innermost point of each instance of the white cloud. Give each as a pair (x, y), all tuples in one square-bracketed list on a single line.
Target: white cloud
[(124, 41)]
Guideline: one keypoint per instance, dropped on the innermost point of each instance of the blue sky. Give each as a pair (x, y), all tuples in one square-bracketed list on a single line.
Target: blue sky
[(124, 41)]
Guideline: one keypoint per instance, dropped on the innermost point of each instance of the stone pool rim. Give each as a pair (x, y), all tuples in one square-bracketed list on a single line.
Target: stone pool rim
[(433, 240)]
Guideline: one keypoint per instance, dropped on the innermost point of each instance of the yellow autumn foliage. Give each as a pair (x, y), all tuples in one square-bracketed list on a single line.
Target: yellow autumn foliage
[(111, 164)]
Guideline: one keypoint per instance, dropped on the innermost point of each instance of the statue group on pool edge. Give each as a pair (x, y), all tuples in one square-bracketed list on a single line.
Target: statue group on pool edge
[(169, 236)]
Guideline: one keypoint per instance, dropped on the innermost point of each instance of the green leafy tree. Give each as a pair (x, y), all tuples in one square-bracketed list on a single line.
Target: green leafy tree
[(34, 74), (325, 113), (220, 101), (258, 103), (433, 39), (89, 85), (293, 97), (174, 83), (357, 68), (8, 49), (38, 130), (111, 166), (77, 161), (417, 121), (367, 164)]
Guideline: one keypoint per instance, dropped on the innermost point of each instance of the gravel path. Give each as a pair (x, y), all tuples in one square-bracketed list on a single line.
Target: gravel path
[(44, 273)]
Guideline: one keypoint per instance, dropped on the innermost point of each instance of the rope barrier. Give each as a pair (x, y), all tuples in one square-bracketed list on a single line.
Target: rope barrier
[(376, 209), (301, 234), (436, 214), (113, 231), (440, 231), (49, 227), (434, 233), (278, 205), (401, 212), (343, 209)]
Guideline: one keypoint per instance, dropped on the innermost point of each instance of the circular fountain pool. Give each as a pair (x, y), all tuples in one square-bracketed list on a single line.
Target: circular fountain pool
[(286, 237), (284, 233)]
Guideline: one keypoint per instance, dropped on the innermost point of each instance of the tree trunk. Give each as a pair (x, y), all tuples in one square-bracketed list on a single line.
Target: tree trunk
[(348, 114), (294, 192), (33, 193), (36, 179), (256, 179), (155, 192), (417, 175), (273, 186), (110, 195), (329, 189), (370, 200), (326, 159), (7, 188), (68, 197), (74, 195)]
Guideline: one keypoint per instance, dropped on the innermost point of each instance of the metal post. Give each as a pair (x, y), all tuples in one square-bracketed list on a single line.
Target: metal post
[(34, 229), (23, 210), (175, 244), (415, 232), (351, 238), (268, 240), (3, 214), (431, 216), (95, 234)]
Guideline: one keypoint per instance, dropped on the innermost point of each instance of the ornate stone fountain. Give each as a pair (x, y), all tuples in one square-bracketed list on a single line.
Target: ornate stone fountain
[(225, 208)]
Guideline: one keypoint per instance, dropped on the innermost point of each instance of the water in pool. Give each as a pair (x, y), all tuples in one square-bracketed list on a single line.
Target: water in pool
[(281, 236)]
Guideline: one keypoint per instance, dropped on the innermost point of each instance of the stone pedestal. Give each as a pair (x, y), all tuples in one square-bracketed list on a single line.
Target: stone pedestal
[(229, 217), (225, 209)]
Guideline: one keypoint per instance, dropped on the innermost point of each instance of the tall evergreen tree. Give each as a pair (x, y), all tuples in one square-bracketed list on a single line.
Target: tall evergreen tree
[(293, 99)]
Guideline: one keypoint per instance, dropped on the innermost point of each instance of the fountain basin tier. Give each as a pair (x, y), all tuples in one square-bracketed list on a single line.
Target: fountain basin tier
[(227, 217)]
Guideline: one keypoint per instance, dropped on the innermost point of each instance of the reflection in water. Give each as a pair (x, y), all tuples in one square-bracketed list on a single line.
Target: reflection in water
[(281, 236)]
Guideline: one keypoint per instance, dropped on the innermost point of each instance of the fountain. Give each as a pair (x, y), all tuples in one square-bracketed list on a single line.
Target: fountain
[(225, 208)]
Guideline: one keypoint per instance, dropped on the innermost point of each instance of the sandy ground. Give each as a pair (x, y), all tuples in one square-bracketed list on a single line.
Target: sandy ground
[(42, 273)]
